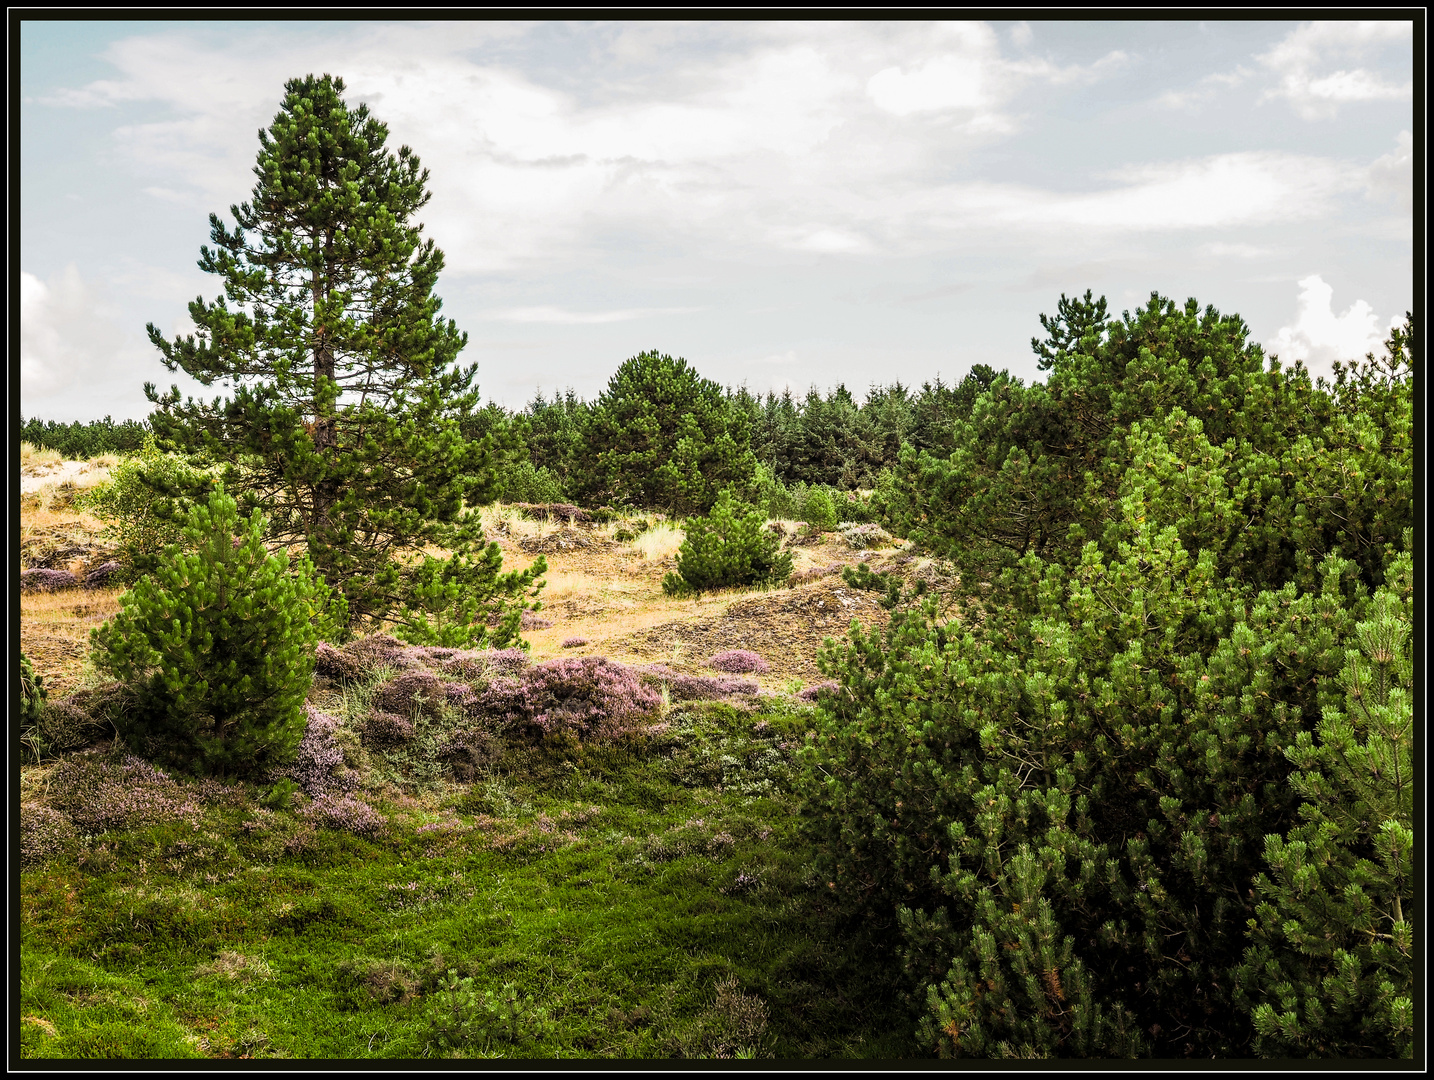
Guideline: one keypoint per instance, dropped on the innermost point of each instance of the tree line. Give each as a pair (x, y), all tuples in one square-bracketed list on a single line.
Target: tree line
[(1144, 788)]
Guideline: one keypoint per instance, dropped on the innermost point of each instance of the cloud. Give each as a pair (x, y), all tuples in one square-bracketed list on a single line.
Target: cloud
[(787, 136), (1234, 251), (559, 315), (76, 362), (969, 75), (1391, 177), (1302, 62), (1319, 337)]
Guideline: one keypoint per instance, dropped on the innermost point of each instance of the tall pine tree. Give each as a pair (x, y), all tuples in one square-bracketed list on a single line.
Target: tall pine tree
[(346, 418)]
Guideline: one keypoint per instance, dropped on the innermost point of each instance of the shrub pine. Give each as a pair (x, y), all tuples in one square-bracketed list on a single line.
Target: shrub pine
[(132, 501), (219, 645), (820, 511), (730, 546)]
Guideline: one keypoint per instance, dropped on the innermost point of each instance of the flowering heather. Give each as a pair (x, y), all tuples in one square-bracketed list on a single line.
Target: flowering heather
[(813, 692), (317, 765), (66, 724), (333, 663), (529, 621), (474, 664), (553, 512), (100, 577), (99, 796), (345, 813), (386, 729), (574, 642), (420, 690), (587, 695), (866, 535), (379, 650), (682, 687), (46, 580), (801, 577), (43, 832), (738, 662)]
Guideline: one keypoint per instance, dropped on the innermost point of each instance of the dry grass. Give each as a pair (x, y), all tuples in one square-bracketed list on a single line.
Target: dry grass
[(30, 454), (659, 542)]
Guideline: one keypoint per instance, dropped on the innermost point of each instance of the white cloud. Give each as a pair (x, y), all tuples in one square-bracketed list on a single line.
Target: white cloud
[(969, 75), (1391, 177), (559, 315), (78, 360), (1302, 61), (74, 357), (1234, 251), (1319, 337)]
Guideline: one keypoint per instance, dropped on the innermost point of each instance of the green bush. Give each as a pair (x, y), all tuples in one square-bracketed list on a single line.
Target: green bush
[(219, 647), (1152, 794), (820, 513), (136, 510), (524, 483), (730, 546)]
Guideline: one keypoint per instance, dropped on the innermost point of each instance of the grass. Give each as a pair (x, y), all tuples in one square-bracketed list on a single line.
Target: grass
[(645, 898), (659, 542), (648, 898)]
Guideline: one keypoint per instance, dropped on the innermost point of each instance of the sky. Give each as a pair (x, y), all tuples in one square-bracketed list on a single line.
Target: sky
[(785, 205)]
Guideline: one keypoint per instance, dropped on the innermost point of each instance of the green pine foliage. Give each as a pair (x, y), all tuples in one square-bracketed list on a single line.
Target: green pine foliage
[(31, 710), (1330, 971), (1130, 804), (347, 412), (451, 601), (820, 512), (730, 546), (218, 646), (143, 520), (661, 436)]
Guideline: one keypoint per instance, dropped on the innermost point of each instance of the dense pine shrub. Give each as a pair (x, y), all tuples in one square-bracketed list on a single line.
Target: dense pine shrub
[(730, 546), (1149, 796), (820, 512), (219, 646), (143, 519)]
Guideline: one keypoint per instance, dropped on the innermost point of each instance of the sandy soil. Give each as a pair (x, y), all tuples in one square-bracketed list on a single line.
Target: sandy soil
[(605, 594), (34, 477)]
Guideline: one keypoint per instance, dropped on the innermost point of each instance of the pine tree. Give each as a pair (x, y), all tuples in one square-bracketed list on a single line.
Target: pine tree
[(662, 436), (218, 645), (1330, 973), (345, 420), (730, 546)]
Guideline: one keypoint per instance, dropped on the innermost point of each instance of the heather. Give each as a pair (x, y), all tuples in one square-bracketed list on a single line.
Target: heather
[(566, 864)]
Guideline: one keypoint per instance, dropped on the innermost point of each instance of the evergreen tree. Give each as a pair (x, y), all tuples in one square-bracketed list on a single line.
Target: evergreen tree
[(1122, 807), (1330, 973), (730, 546), (219, 646), (660, 435), (345, 422)]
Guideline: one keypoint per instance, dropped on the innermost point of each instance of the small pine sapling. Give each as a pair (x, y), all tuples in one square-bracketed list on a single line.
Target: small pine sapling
[(728, 547), (219, 645)]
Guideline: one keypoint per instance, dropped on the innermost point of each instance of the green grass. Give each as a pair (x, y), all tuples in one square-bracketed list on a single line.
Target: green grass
[(640, 899)]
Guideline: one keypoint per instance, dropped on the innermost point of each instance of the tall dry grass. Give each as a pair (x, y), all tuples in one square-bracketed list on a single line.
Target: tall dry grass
[(659, 542)]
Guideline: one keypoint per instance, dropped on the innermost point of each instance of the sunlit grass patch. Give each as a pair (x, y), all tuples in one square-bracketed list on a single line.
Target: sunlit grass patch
[(659, 542)]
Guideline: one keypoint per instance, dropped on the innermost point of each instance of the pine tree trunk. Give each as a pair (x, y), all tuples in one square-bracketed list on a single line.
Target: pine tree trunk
[(325, 434)]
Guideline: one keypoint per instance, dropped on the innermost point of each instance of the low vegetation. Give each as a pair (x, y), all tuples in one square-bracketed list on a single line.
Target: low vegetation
[(1113, 759)]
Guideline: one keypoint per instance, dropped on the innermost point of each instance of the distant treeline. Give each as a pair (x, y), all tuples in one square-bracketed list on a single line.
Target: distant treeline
[(83, 441), (563, 446), (661, 436)]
